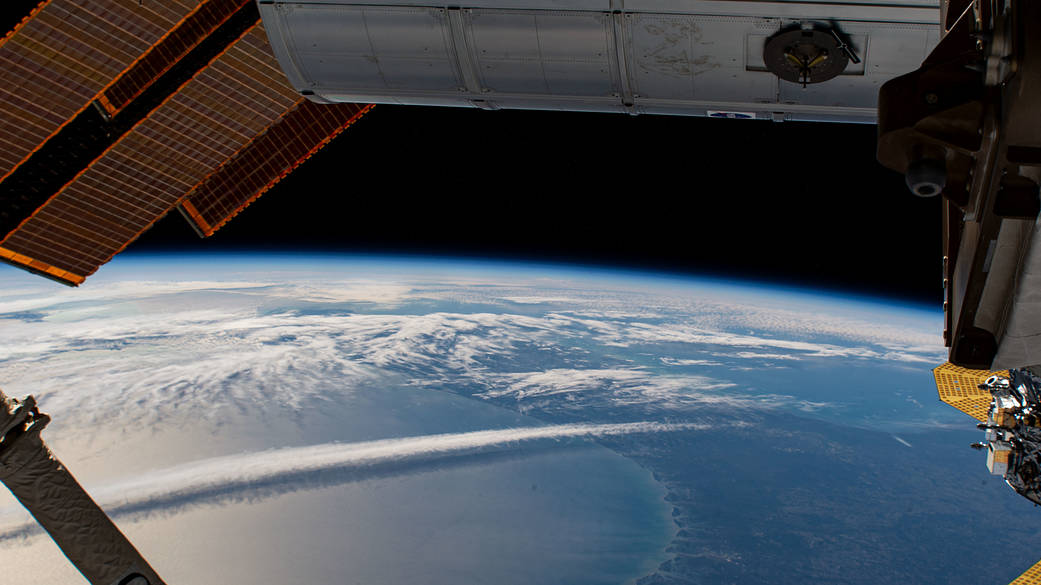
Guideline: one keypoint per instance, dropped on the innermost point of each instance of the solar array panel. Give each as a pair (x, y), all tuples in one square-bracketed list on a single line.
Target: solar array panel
[(1031, 576), (113, 112), (268, 158), (195, 27), (55, 63), (959, 387), (145, 174)]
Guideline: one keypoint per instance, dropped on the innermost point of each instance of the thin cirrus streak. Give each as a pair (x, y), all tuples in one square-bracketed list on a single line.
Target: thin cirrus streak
[(220, 477)]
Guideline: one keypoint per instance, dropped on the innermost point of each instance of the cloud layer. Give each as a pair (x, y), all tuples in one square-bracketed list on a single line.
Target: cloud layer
[(158, 347), (219, 477)]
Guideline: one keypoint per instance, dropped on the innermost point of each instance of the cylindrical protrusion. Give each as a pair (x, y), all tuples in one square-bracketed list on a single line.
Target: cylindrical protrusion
[(926, 177)]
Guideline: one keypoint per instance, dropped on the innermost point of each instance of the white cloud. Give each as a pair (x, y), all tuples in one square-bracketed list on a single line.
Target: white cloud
[(901, 441), (156, 346), (630, 387), (647, 333), (50, 298), (197, 481), (682, 362), (751, 355), (539, 300)]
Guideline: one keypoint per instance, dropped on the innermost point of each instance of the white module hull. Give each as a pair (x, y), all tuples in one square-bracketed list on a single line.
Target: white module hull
[(655, 57)]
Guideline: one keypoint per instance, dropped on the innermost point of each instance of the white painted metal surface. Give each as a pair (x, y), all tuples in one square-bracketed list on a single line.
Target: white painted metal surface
[(680, 57), (1020, 345)]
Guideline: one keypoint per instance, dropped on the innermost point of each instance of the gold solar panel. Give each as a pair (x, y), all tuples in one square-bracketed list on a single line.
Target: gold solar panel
[(957, 386), (54, 64), (262, 163), (144, 107), (175, 44), (1031, 576), (149, 170)]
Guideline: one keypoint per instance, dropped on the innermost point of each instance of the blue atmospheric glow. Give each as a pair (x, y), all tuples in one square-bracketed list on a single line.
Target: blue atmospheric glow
[(805, 408), (182, 263)]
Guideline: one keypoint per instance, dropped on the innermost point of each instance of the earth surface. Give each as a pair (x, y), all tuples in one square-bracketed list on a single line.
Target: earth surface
[(376, 420)]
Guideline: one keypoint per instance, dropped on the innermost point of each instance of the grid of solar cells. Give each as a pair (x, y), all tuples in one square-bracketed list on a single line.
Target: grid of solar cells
[(164, 54), (267, 159), (959, 387), (1031, 576), (146, 173), (58, 61)]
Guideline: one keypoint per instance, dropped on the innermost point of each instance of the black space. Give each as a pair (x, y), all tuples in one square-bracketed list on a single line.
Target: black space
[(798, 203), (14, 12)]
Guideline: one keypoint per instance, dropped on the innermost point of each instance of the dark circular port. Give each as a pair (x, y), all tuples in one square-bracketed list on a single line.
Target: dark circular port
[(926, 177)]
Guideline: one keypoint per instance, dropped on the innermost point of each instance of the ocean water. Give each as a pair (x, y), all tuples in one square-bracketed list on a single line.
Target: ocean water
[(565, 511), (168, 361)]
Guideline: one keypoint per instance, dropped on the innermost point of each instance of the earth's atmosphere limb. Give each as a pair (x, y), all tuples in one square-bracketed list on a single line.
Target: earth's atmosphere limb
[(828, 460)]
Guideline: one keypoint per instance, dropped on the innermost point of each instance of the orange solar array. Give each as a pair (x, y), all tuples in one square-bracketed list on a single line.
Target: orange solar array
[(113, 112), (268, 158), (195, 27), (1031, 576), (146, 173), (56, 62), (959, 387)]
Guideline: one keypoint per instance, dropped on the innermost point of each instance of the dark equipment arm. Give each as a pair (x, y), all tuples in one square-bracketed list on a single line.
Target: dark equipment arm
[(966, 125), (46, 488)]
